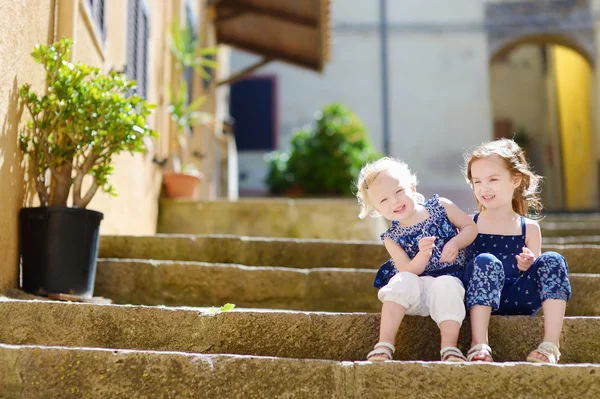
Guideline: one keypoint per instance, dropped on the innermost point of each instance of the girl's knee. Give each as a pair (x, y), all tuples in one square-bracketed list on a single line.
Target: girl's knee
[(488, 262), (446, 300), (552, 261), (447, 285), (552, 276), (404, 289), (485, 267)]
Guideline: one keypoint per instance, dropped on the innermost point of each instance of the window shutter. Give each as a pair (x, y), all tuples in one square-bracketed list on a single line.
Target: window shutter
[(138, 34)]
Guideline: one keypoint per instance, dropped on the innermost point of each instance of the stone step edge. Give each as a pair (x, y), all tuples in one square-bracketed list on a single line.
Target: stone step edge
[(25, 371), (285, 252), (554, 241), (201, 284), (300, 270), (317, 335)]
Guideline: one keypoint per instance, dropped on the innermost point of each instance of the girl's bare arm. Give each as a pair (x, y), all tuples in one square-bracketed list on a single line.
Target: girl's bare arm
[(533, 238), (463, 222), (401, 260)]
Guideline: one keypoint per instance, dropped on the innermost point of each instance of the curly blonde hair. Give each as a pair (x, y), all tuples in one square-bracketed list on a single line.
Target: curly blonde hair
[(369, 173), (526, 197)]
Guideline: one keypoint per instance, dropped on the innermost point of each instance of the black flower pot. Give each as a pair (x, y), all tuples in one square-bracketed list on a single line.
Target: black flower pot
[(58, 247)]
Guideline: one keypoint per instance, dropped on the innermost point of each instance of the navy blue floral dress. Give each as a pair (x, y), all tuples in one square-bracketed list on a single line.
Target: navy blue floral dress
[(438, 225), (493, 279)]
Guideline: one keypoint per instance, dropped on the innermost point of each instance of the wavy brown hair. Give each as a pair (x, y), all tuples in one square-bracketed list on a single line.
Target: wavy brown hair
[(526, 198)]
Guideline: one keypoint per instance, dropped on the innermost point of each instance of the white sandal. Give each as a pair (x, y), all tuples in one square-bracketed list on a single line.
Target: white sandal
[(547, 349), (452, 354), (383, 351), (479, 350)]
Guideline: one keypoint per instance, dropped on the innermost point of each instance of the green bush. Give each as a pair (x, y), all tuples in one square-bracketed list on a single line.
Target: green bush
[(324, 160)]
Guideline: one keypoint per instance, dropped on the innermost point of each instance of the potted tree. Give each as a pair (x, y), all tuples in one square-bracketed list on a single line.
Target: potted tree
[(82, 120), (184, 179)]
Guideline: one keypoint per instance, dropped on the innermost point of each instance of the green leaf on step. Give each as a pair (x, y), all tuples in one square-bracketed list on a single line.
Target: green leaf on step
[(227, 307)]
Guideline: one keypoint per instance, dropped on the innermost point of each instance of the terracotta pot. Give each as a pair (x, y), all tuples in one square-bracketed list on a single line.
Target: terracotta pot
[(181, 185)]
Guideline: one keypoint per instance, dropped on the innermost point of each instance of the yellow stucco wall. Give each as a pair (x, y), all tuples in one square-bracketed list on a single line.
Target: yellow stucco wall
[(136, 179), (24, 24), (573, 82)]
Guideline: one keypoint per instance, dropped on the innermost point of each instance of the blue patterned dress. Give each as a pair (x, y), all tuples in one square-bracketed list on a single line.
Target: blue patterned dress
[(493, 279), (438, 225)]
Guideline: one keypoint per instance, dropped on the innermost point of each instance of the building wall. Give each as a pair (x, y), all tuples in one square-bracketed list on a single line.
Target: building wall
[(438, 87), (518, 89), (573, 81), (520, 93), (136, 179), (26, 23)]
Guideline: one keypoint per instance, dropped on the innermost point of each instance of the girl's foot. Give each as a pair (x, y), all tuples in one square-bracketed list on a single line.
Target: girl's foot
[(546, 352), (452, 354), (480, 353), (383, 351)]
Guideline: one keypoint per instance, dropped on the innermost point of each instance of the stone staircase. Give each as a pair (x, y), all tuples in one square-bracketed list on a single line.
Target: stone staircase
[(299, 274), (306, 317)]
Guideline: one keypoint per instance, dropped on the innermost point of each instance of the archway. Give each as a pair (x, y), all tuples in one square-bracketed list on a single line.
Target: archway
[(541, 89)]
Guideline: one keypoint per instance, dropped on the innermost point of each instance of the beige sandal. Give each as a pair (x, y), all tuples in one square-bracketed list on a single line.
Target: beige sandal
[(383, 351), (547, 349), (452, 354), (480, 350)]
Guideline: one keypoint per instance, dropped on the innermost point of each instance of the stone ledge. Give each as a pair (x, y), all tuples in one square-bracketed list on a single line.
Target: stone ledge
[(272, 217), (25, 371), (297, 253), (174, 283), (334, 218), (309, 335)]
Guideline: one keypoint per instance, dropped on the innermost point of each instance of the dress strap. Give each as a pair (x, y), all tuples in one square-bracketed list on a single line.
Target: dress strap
[(523, 227), (475, 217)]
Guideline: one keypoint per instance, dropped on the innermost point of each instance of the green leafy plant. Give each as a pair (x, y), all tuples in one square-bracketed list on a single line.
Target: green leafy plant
[(325, 159), (83, 119), (187, 50), (185, 113), (225, 308)]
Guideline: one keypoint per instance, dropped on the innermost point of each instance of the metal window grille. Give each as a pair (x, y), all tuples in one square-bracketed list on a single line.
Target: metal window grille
[(188, 73), (97, 7), (138, 33)]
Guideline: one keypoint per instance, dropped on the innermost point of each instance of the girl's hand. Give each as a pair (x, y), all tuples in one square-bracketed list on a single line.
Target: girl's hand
[(449, 252), (426, 245), (525, 259)]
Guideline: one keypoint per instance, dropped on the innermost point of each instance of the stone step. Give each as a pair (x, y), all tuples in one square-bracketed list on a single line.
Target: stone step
[(270, 217), (297, 253), (27, 370), (570, 228), (303, 335), (177, 283), (309, 218), (572, 217), (572, 240)]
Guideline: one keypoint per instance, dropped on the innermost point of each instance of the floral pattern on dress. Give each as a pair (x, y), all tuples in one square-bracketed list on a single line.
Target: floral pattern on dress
[(438, 225), (553, 282), (519, 293), (485, 282)]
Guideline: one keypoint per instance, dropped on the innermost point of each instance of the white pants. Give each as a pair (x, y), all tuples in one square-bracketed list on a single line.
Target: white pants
[(441, 297)]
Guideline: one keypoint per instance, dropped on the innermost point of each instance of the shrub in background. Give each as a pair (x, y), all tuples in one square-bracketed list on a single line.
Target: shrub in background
[(324, 159)]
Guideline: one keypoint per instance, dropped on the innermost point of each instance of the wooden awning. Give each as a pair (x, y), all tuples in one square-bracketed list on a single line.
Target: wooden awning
[(293, 31)]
